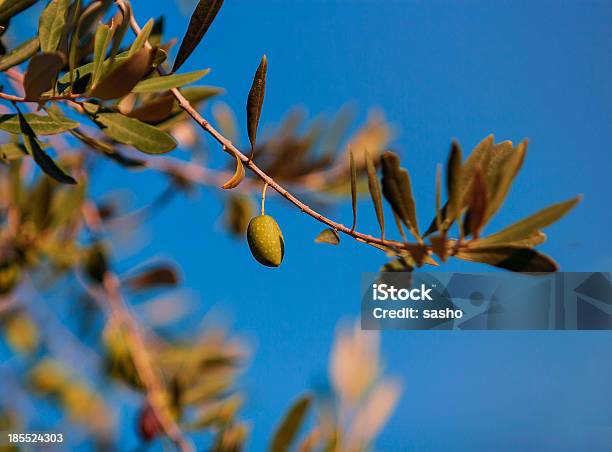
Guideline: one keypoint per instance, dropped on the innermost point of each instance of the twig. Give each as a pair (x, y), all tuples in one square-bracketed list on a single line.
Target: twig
[(229, 147)]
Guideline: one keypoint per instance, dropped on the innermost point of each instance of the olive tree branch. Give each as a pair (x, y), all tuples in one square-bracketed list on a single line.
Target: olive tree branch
[(229, 147)]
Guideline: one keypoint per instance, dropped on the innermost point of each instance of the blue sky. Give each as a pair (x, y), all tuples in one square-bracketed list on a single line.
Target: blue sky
[(439, 70)]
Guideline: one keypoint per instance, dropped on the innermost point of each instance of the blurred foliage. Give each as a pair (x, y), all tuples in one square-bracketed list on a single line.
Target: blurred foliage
[(83, 93)]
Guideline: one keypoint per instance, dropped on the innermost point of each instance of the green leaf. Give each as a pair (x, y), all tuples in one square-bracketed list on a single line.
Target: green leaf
[(121, 30), (125, 76), (398, 191), (142, 37), (255, 102), (19, 54), (167, 82), (328, 236), (103, 37), (513, 258), (42, 73), (9, 8), (142, 136), (374, 187), (353, 170), (87, 69), (527, 227), (51, 24), (40, 157), (199, 23), (41, 125), (290, 425), (81, 18)]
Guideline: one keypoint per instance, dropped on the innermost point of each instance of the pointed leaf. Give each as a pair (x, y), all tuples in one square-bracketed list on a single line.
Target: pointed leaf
[(532, 224), (506, 172), (290, 425), (328, 236), (125, 76), (255, 102), (9, 8), (201, 19), (513, 258), (42, 73), (102, 39), (237, 177), (167, 82), (374, 187), (142, 38), (477, 203), (41, 125), (19, 54), (353, 170), (40, 157), (122, 21), (51, 24), (453, 183), (142, 136), (398, 191)]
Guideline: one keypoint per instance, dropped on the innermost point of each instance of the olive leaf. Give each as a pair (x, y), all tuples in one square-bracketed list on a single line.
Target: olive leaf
[(142, 37), (19, 54), (255, 102), (40, 157), (453, 184), (477, 157), (9, 8), (353, 171), (41, 125), (167, 82), (238, 176), (477, 206), (525, 228), (513, 258), (289, 427), (158, 276), (201, 19), (506, 171), (102, 40), (80, 18), (41, 73), (142, 136), (374, 188), (125, 76), (122, 26), (154, 110), (398, 191), (51, 24), (328, 236), (438, 217)]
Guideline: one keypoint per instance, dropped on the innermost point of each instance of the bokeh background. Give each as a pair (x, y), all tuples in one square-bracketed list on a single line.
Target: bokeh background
[(439, 70)]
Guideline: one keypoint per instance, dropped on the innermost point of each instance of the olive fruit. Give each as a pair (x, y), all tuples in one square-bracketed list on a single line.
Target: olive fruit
[(266, 240)]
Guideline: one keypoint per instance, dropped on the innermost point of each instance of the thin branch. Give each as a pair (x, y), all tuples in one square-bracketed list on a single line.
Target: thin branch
[(229, 147)]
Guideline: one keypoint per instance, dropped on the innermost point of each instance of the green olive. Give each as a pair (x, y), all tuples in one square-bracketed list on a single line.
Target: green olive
[(266, 240)]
